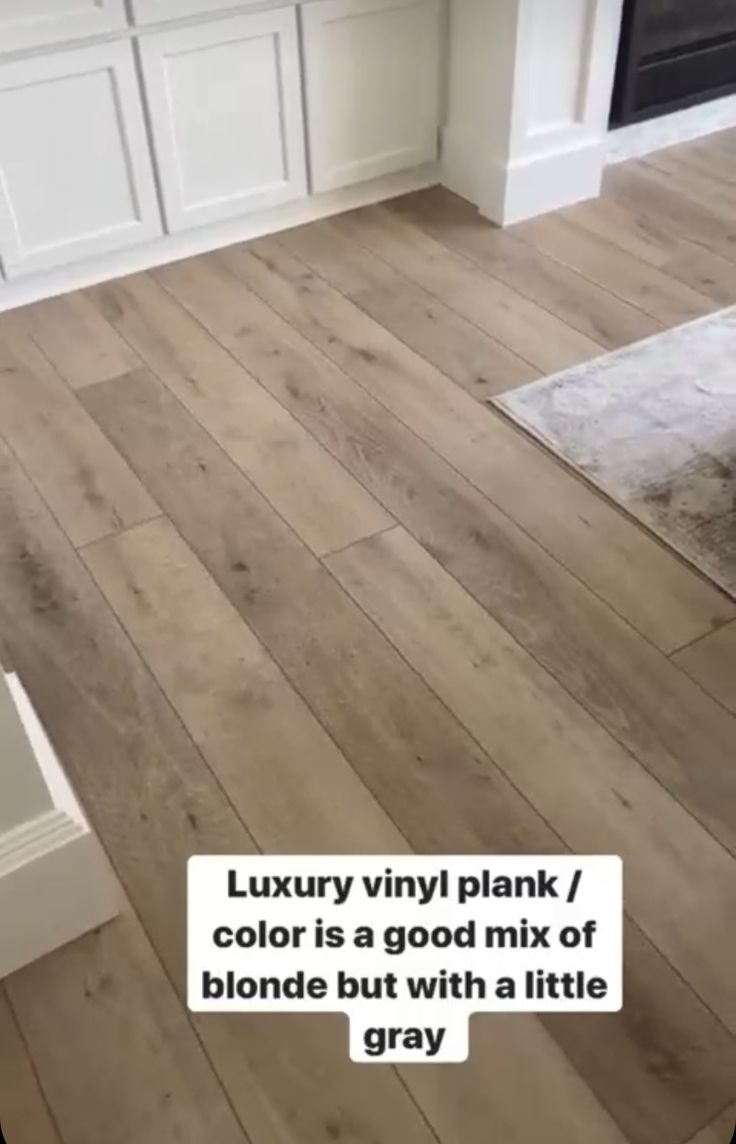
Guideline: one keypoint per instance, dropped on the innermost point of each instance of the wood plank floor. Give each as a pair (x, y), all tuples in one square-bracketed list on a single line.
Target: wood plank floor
[(277, 578)]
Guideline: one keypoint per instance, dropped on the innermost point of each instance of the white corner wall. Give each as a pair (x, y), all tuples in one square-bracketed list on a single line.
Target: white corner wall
[(529, 92)]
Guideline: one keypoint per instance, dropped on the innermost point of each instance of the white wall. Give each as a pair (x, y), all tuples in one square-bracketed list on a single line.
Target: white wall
[(529, 94)]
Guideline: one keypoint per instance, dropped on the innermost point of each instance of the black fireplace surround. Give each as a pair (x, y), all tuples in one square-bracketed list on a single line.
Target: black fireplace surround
[(673, 53)]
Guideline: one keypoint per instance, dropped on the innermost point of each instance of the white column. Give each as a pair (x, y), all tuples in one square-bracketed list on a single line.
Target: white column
[(529, 91), (55, 881)]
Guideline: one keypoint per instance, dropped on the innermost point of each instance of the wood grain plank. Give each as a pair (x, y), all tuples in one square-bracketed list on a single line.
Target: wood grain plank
[(587, 787), (699, 185), (663, 1064), (636, 234), (711, 155), (457, 347), (325, 505), (396, 735), (307, 802), (286, 778), (76, 340), (584, 306), (25, 1115), (523, 326), (712, 662), (654, 194), (118, 1057), (720, 1130), (708, 272), (633, 690), (154, 802), (517, 1120), (664, 298), (637, 576), (86, 483), (661, 1061), (645, 238)]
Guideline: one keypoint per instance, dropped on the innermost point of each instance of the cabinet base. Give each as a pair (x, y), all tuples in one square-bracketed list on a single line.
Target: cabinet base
[(55, 880), (172, 248)]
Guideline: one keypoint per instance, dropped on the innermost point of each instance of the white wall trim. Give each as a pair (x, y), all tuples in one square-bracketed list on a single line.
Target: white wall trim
[(172, 248), (521, 188), (55, 880), (529, 95), (667, 130)]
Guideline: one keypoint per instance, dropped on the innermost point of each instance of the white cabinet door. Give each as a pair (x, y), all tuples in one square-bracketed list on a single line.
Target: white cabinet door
[(33, 23), (75, 170), (226, 113), (372, 85)]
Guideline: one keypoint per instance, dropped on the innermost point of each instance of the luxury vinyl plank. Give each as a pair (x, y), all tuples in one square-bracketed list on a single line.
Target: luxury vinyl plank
[(711, 156), (154, 802), (460, 349), (662, 1062), (699, 185), (284, 775), (720, 1130), (76, 340), (86, 483), (708, 272), (118, 1057), (24, 1114), (507, 1037), (644, 237), (594, 312), (160, 591), (654, 194), (402, 741), (434, 782), (632, 232), (678, 732), (321, 501), (524, 327), (637, 576), (587, 787), (712, 662), (665, 299)]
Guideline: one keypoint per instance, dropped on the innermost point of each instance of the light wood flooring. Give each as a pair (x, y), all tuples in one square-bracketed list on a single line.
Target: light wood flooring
[(276, 578)]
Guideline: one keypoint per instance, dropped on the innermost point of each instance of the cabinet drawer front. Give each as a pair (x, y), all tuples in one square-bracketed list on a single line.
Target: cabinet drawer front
[(226, 113), (35, 23), (372, 87), (152, 11), (75, 171)]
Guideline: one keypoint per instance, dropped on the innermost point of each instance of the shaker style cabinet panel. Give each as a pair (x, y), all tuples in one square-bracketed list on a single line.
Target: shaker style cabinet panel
[(372, 87), (75, 170), (35, 23), (225, 108)]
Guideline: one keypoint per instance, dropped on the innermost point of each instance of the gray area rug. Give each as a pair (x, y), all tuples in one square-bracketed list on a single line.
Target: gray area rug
[(654, 427)]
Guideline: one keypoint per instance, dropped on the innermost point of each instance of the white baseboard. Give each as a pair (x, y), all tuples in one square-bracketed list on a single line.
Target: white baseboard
[(55, 880), (639, 139), (524, 188), (172, 248), (546, 183)]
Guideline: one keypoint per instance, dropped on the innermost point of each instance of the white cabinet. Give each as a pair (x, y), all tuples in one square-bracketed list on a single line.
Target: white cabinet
[(226, 112), (75, 171), (372, 87), (150, 11), (32, 23)]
